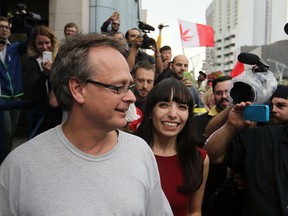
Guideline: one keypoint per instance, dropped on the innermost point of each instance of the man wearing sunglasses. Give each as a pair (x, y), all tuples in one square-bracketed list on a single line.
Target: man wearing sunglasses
[(114, 22), (86, 166)]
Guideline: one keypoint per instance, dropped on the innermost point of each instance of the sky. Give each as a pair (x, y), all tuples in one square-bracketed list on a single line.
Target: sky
[(168, 12)]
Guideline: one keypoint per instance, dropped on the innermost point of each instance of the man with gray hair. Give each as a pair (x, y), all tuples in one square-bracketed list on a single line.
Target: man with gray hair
[(86, 166)]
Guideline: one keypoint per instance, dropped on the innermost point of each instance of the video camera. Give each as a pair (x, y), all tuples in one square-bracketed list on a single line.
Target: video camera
[(256, 85), (22, 18), (147, 41)]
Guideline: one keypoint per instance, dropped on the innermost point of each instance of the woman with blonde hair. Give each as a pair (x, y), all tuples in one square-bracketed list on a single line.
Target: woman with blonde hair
[(37, 74)]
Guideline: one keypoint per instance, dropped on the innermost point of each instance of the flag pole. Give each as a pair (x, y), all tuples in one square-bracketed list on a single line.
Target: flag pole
[(183, 51)]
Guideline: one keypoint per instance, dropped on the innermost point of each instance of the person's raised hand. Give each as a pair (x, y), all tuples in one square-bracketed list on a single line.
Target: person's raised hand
[(46, 65), (235, 118), (187, 82)]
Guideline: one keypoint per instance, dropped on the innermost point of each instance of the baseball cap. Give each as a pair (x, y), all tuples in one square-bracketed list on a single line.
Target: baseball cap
[(281, 92)]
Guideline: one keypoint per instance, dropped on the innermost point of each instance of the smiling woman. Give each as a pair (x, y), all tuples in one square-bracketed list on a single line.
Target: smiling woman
[(168, 127), (36, 75)]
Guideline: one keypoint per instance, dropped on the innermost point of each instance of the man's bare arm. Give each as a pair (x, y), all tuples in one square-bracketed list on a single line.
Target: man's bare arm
[(217, 121), (216, 145)]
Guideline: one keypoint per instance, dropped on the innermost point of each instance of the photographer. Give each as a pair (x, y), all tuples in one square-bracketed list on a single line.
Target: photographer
[(249, 153), (134, 42), (10, 79), (265, 160)]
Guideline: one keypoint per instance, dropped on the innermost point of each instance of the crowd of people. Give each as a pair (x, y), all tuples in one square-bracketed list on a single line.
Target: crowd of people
[(186, 151)]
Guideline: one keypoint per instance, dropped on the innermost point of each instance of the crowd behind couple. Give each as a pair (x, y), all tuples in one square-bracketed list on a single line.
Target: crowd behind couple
[(88, 165)]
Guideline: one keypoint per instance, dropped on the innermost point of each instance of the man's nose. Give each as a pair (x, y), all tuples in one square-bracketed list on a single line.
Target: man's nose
[(273, 108), (225, 94), (129, 96)]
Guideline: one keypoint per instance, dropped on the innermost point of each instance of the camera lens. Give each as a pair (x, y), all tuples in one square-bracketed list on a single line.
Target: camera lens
[(242, 92)]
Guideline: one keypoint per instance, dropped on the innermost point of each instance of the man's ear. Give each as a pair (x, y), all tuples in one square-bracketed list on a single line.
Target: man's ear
[(77, 90)]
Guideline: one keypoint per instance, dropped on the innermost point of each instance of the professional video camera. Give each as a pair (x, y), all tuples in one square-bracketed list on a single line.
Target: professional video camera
[(256, 85), (147, 41), (22, 17)]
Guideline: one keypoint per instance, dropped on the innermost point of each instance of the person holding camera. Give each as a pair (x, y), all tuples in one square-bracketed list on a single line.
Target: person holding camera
[(265, 161), (236, 156), (11, 84), (135, 54)]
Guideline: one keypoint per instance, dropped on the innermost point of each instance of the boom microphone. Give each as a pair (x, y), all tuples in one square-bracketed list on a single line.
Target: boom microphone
[(248, 58), (161, 26), (252, 59), (145, 26)]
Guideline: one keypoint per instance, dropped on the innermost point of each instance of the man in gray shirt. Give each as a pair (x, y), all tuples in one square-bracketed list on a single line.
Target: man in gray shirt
[(86, 166)]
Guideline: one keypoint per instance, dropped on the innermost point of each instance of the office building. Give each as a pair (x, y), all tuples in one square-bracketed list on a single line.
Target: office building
[(244, 23)]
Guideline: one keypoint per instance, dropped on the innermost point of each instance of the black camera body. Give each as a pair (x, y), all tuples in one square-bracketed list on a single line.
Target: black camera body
[(22, 18), (147, 41)]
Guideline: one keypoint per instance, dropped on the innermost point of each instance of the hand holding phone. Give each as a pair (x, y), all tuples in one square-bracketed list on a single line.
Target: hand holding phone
[(257, 113), (47, 56), (188, 75)]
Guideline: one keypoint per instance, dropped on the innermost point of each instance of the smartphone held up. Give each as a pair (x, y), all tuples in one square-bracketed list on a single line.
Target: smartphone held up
[(188, 75), (257, 113), (47, 56)]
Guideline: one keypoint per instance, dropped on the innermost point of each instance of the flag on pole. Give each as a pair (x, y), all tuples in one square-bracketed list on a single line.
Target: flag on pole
[(238, 69), (195, 35)]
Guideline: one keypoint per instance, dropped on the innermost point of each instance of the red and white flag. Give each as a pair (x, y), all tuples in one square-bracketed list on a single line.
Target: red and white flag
[(238, 69), (195, 35)]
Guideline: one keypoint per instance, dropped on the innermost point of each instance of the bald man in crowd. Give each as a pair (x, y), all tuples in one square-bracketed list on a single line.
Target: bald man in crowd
[(177, 68)]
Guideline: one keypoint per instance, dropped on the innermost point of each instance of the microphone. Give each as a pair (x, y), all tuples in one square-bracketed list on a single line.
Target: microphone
[(161, 26), (252, 59), (286, 28), (145, 26), (248, 58)]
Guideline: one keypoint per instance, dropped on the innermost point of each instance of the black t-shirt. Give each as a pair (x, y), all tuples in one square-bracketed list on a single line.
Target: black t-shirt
[(266, 168), (201, 122)]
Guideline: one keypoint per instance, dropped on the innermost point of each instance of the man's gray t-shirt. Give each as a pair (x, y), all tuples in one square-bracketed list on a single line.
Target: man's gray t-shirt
[(50, 176)]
